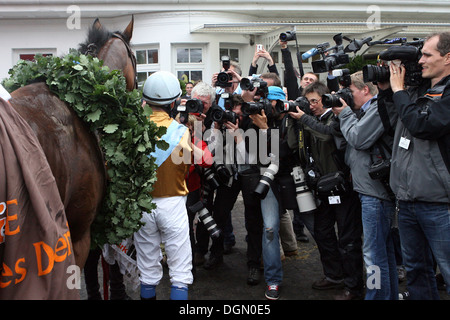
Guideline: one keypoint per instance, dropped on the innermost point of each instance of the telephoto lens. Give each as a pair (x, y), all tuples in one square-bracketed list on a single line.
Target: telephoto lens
[(305, 198), (206, 218), (263, 186)]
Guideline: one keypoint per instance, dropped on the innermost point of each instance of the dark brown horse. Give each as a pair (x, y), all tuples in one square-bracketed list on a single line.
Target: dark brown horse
[(72, 151)]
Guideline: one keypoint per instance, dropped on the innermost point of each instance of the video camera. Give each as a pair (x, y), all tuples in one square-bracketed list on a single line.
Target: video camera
[(283, 106), (407, 52), (338, 58), (224, 78), (255, 82)]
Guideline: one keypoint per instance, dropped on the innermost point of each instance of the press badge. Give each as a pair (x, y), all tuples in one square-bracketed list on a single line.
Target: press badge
[(404, 143), (334, 200)]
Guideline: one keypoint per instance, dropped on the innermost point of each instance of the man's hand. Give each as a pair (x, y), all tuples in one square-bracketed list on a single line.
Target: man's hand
[(260, 120), (297, 115), (397, 79), (338, 110)]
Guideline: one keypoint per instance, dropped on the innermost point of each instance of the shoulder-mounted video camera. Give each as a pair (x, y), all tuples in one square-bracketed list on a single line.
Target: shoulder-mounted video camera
[(407, 52)]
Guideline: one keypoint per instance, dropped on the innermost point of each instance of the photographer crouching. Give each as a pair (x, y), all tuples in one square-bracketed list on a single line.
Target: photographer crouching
[(420, 166)]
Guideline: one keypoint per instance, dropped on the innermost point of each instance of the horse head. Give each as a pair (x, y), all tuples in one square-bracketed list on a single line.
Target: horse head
[(114, 49)]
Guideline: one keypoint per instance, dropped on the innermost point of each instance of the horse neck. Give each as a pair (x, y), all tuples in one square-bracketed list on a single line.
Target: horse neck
[(115, 55)]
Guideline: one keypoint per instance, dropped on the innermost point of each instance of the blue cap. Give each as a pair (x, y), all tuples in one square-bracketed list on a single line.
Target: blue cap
[(276, 93)]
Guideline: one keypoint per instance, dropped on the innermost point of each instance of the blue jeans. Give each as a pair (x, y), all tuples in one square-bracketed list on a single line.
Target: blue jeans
[(273, 272), (425, 232), (378, 249)]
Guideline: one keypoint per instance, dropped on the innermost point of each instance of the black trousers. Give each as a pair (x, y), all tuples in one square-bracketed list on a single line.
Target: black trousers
[(341, 252)]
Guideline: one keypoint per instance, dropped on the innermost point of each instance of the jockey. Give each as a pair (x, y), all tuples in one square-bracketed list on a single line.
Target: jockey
[(168, 223)]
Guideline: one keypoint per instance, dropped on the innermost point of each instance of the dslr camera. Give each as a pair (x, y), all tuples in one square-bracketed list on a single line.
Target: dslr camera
[(191, 106), (221, 116), (224, 78), (287, 36), (332, 100), (284, 106), (408, 53), (255, 82), (249, 108)]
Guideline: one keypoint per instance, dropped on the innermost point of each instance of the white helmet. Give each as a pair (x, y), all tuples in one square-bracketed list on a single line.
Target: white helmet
[(161, 88)]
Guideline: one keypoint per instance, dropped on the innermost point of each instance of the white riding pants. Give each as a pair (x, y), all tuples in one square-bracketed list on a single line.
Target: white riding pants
[(167, 224)]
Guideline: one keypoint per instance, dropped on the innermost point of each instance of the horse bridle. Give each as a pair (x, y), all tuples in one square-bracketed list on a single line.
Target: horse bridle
[(130, 55)]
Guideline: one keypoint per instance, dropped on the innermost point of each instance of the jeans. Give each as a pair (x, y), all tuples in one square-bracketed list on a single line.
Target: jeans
[(273, 272), (378, 249), (425, 232)]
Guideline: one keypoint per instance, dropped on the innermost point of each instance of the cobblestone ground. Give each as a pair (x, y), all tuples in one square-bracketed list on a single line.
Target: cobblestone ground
[(228, 281)]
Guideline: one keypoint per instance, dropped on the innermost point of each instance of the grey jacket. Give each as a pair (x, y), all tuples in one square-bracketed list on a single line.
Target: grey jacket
[(361, 135), (418, 171)]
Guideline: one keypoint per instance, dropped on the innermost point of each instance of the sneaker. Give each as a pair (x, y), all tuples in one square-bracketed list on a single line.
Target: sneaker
[(253, 277), (403, 295), (272, 292)]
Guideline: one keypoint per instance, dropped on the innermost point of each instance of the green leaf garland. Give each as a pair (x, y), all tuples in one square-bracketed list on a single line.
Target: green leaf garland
[(99, 97)]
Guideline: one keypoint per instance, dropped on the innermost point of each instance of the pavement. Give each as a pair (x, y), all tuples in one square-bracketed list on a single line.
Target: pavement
[(228, 281)]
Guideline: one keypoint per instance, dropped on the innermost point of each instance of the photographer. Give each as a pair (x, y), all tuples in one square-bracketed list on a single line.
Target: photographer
[(271, 122), (420, 166), (368, 142), (246, 181), (341, 254), (230, 87)]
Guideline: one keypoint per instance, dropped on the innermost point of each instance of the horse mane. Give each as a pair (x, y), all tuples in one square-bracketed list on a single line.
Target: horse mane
[(96, 39)]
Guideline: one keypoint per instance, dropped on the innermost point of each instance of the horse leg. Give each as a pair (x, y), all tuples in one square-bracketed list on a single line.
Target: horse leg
[(81, 249)]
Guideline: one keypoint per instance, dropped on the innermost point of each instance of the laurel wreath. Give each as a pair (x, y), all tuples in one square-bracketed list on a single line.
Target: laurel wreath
[(100, 99)]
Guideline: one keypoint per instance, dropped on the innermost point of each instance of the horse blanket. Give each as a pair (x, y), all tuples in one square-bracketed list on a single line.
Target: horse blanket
[(36, 254)]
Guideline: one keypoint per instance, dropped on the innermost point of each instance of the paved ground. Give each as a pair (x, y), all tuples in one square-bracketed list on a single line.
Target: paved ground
[(228, 282)]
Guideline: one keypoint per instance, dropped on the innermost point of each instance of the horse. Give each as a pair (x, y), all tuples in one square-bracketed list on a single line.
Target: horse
[(72, 150)]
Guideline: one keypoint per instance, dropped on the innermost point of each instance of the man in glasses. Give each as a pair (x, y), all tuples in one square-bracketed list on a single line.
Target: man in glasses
[(341, 252)]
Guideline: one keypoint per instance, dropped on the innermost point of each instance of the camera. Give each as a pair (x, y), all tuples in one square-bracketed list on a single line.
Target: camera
[(222, 173), (249, 108), (206, 218), (408, 53), (283, 106), (305, 198), (255, 82), (332, 60), (263, 186), (221, 116), (380, 170), (332, 100), (287, 36), (339, 57), (194, 106), (224, 78)]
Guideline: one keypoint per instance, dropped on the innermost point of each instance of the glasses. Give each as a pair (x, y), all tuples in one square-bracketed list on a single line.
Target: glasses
[(314, 101)]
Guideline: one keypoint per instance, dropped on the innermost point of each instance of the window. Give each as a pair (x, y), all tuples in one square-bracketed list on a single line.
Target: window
[(232, 53), (189, 65), (147, 60), (30, 56)]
